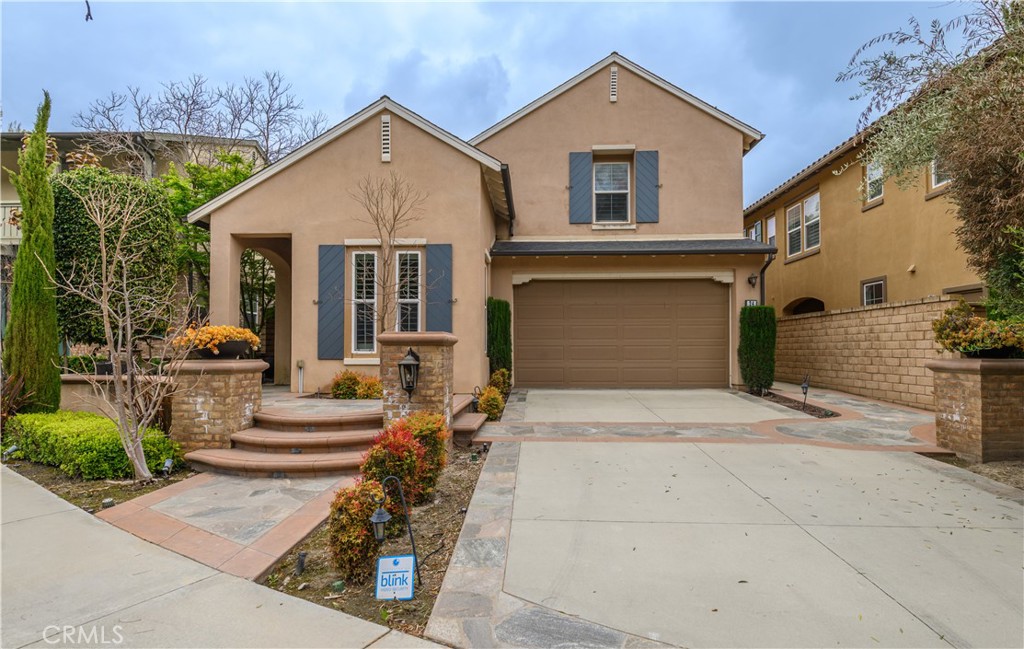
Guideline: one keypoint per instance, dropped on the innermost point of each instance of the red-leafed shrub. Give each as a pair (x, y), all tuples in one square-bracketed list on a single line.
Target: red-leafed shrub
[(353, 547), (430, 431), (395, 452)]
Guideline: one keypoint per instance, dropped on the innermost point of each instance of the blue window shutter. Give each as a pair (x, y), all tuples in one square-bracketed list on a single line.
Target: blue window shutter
[(646, 186), (330, 310), (581, 184), (439, 287)]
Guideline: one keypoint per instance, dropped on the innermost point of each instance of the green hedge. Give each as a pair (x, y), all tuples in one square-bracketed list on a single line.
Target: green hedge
[(83, 364), (757, 347), (499, 334), (83, 444)]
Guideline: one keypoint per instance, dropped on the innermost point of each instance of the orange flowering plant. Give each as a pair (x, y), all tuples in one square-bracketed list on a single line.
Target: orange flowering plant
[(209, 337), (959, 330)]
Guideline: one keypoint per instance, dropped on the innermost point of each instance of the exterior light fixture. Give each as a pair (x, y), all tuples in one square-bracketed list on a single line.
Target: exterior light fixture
[(381, 517), (752, 280), (168, 465), (804, 387), (408, 371)]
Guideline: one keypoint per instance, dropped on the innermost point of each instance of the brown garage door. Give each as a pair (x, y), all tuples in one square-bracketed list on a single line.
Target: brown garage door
[(621, 333)]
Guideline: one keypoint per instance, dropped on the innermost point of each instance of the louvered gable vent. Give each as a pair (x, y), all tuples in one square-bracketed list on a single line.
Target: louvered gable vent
[(613, 85), (385, 138)]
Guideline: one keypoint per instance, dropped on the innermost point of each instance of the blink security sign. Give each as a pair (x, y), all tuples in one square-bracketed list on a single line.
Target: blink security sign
[(394, 577)]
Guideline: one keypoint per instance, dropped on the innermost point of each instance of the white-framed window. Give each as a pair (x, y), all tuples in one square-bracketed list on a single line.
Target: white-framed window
[(938, 175), (364, 302), (872, 291), (611, 192), (803, 225), (770, 227), (873, 181), (754, 231), (408, 290)]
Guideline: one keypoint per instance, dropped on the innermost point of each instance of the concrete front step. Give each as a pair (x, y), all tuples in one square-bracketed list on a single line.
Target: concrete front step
[(465, 426), (234, 461), (370, 419), (262, 440)]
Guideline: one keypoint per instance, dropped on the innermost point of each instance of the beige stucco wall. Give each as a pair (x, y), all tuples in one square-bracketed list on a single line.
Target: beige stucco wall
[(309, 204), (700, 158), (503, 270), (905, 230)]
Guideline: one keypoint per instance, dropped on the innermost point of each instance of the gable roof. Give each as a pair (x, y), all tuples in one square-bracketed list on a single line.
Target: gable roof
[(751, 136), (488, 162)]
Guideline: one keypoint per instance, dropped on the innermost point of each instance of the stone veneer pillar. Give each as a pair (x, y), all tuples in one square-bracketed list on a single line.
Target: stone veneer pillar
[(217, 398), (979, 407), (435, 390)]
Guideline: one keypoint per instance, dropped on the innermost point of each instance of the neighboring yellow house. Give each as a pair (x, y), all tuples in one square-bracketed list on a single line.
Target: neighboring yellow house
[(608, 212), (839, 248)]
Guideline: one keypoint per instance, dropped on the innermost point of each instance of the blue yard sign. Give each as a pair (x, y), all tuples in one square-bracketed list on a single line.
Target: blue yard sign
[(394, 577)]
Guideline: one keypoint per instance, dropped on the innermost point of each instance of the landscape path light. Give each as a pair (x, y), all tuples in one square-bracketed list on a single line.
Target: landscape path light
[(381, 517)]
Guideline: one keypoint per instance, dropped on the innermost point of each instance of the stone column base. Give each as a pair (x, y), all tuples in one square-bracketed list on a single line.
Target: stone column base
[(215, 399)]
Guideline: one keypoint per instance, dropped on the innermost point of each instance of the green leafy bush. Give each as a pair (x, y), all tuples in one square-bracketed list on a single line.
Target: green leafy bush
[(959, 330), (429, 430), (346, 385), (350, 535), (757, 347), (83, 364), (491, 403), (370, 387), (83, 444), (396, 452), (499, 334), (502, 380)]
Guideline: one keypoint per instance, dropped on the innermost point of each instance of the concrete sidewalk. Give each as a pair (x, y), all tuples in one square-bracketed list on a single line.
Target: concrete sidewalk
[(70, 579)]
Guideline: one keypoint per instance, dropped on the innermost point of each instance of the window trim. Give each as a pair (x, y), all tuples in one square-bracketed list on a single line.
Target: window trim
[(865, 283), (629, 190), (868, 198), (768, 237), (357, 301), (756, 228), (399, 300), (931, 177), (802, 227)]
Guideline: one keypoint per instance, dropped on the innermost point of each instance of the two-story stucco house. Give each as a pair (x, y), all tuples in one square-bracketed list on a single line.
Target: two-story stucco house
[(608, 212)]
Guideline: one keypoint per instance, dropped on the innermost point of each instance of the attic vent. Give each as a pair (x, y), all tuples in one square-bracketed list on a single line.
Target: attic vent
[(385, 138), (613, 85)]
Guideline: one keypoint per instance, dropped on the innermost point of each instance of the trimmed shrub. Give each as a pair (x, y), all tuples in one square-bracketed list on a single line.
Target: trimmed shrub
[(502, 380), (370, 387), (499, 334), (345, 385), (83, 444), (429, 430), (491, 403), (350, 535), (757, 347), (83, 364), (395, 452)]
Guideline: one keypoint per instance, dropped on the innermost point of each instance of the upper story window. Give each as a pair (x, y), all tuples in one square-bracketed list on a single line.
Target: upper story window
[(938, 177), (770, 227), (873, 181), (803, 225), (611, 192), (755, 231), (872, 291), (408, 290), (364, 301)]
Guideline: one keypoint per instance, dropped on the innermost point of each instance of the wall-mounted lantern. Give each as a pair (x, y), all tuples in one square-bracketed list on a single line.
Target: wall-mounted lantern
[(408, 371), (752, 280)]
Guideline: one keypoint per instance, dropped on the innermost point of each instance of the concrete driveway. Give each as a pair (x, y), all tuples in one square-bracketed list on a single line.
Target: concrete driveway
[(732, 545)]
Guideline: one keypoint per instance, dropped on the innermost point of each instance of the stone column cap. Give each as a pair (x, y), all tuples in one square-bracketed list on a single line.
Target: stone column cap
[(221, 366), (978, 365), (414, 338)]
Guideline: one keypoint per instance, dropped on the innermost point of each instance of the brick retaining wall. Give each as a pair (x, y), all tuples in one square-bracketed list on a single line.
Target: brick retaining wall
[(875, 351)]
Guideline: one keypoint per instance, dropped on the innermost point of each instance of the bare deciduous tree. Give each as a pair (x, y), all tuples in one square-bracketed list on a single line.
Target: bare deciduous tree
[(391, 204), (132, 313)]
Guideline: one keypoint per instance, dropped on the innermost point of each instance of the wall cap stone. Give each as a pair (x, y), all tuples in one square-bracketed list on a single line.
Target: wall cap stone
[(931, 299), (986, 366), (217, 366), (412, 339)]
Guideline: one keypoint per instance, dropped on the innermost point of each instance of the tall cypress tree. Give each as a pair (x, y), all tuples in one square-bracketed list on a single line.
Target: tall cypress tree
[(31, 340)]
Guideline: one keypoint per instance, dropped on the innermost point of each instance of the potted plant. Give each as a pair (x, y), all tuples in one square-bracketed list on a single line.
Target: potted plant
[(220, 341), (960, 330)]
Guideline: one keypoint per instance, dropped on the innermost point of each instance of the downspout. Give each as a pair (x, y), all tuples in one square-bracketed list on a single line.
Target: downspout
[(771, 258)]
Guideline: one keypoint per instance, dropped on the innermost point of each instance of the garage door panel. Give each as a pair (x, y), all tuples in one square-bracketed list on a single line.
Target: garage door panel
[(628, 333)]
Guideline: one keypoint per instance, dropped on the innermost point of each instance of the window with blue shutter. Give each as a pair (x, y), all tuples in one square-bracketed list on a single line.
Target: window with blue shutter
[(581, 187), (331, 303)]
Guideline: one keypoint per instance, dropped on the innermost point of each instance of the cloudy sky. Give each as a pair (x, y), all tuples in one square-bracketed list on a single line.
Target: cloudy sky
[(464, 65)]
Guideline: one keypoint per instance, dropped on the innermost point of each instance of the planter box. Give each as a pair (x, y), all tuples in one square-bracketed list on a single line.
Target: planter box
[(979, 407)]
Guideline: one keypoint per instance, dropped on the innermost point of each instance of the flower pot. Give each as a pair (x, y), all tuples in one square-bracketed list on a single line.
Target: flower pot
[(231, 349)]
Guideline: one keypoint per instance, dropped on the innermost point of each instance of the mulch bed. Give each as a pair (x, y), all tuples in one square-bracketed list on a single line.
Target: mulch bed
[(436, 527), (89, 494), (1009, 473), (820, 413)]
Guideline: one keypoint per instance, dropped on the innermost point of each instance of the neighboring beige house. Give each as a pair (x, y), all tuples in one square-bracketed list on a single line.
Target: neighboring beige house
[(840, 249), (608, 212)]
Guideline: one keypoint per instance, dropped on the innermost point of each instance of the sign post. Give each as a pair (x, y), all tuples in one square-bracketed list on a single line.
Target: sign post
[(394, 577)]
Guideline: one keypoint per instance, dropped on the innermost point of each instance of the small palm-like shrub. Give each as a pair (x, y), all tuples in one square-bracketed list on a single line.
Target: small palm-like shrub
[(350, 535), (346, 385), (429, 430), (502, 380), (491, 403), (370, 387)]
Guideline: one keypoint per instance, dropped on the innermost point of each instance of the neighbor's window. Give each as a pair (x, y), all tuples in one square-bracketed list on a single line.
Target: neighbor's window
[(872, 291), (803, 227), (939, 176), (408, 291), (611, 192), (873, 181), (364, 301), (771, 230), (754, 232)]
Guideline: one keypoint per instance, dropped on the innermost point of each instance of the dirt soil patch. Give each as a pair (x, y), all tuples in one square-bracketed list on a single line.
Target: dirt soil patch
[(89, 494), (436, 527), (820, 413), (1009, 473)]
